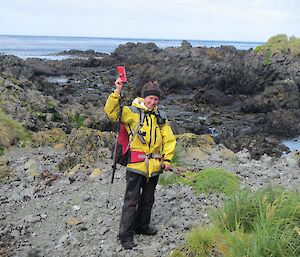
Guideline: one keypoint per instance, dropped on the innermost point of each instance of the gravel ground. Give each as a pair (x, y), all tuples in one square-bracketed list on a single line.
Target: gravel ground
[(53, 215)]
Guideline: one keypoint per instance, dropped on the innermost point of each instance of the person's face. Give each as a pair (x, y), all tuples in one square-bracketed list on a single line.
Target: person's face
[(151, 101)]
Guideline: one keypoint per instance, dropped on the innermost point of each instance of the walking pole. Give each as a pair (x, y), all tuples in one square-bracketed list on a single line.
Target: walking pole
[(175, 171), (122, 75), (114, 164), (114, 167)]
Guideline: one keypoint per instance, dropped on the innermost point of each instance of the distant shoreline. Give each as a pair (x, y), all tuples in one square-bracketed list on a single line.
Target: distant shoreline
[(45, 46)]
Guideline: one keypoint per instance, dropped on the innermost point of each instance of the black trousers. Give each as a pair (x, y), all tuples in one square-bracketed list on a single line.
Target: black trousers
[(138, 202)]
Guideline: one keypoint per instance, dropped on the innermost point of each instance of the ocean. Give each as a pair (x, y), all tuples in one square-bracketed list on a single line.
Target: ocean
[(46, 46)]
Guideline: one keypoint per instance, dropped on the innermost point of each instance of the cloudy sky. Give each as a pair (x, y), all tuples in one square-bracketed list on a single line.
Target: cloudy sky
[(251, 20)]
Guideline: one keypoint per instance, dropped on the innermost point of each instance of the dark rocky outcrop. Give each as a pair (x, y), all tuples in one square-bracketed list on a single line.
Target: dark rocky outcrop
[(283, 94), (220, 89), (81, 54), (214, 97)]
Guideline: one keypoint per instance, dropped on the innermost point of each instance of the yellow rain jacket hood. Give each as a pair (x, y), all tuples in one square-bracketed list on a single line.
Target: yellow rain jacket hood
[(159, 138)]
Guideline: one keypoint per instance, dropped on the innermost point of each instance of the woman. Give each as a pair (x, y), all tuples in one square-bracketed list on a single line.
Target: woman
[(152, 145)]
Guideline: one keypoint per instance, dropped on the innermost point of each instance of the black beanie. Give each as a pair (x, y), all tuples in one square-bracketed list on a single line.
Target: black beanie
[(151, 88)]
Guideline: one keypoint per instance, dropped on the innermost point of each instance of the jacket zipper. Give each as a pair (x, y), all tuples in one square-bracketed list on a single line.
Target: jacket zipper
[(150, 131)]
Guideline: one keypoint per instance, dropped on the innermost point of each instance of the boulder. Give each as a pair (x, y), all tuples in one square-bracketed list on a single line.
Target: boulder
[(283, 94), (214, 97)]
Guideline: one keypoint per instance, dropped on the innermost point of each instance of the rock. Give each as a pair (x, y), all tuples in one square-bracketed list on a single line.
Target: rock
[(243, 156), (32, 218), (73, 221), (76, 208), (32, 172), (214, 97), (60, 146), (281, 122), (282, 94), (15, 233), (266, 160), (65, 240), (186, 44), (96, 173), (74, 170), (293, 159), (31, 252), (30, 163), (226, 154)]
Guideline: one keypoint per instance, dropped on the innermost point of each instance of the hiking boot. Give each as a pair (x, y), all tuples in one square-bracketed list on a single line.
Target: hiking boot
[(149, 231), (129, 244)]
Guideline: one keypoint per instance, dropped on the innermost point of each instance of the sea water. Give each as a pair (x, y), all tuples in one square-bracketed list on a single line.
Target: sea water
[(46, 46), (292, 144)]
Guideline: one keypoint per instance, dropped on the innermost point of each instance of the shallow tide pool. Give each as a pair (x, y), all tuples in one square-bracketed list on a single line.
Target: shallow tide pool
[(292, 144)]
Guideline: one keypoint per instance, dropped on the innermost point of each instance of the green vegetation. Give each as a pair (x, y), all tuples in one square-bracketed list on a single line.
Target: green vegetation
[(178, 158), (169, 178), (279, 44), (76, 120), (51, 105), (79, 120), (213, 180), (11, 132), (251, 224), (57, 117), (206, 181), (1, 150)]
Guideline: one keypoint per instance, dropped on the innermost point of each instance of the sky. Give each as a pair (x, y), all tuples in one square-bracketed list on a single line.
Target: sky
[(233, 20)]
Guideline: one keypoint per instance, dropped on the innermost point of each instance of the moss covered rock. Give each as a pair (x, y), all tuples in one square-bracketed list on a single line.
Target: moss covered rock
[(194, 146), (193, 140), (84, 146), (49, 137)]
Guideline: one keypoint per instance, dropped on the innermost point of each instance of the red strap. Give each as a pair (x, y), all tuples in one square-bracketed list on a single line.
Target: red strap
[(123, 138)]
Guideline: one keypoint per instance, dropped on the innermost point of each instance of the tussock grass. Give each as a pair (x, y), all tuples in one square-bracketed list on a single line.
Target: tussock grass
[(251, 224), (210, 180), (169, 178), (279, 44), (213, 180), (11, 132)]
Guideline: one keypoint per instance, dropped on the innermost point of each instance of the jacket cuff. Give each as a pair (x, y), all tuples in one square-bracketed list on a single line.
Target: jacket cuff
[(116, 93), (167, 162)]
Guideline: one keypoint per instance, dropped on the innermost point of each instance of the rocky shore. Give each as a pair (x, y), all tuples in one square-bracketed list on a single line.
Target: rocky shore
[(49, 212), (248, 99), (230, 109)]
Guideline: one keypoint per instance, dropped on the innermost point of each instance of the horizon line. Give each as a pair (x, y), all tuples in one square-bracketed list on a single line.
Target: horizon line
[(133, 38)]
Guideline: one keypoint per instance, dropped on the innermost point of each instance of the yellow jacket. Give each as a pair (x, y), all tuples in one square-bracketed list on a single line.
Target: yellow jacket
[(159, 139)]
